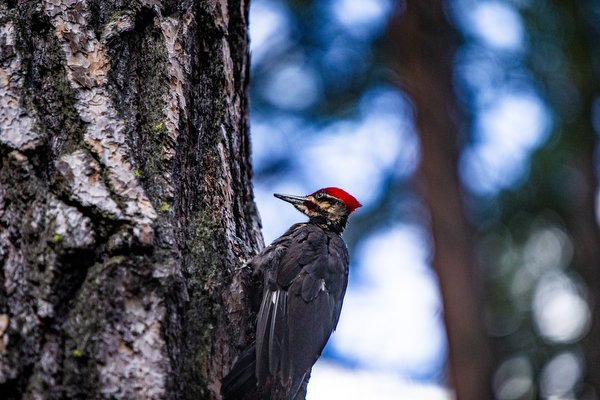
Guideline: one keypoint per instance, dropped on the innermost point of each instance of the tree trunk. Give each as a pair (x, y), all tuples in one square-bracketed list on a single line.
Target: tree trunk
[(125, 197), (424, 43)]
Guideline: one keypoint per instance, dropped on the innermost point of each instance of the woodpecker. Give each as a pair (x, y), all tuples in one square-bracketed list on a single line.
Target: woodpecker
[(305, 274)]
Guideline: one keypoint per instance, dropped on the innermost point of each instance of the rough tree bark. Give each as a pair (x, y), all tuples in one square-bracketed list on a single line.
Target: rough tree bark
[(424, 47), (125, 197)]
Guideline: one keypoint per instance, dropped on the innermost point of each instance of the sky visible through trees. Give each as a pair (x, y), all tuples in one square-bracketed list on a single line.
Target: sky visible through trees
[(326, 111)]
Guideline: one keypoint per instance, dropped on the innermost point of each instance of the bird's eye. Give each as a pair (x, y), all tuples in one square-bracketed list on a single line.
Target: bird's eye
[(319, 196)]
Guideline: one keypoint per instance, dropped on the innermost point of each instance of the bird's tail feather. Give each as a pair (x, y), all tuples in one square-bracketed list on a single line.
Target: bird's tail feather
[(242, 377)]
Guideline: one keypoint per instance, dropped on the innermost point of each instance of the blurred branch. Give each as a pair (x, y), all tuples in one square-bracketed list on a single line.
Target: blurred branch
[(424, 45)]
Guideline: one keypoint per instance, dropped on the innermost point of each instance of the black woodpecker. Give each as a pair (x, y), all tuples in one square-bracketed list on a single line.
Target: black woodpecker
[(305, 277)]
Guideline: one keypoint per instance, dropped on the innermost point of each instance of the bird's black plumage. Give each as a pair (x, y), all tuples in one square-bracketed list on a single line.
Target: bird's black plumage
[(305, 277), (301, 305)]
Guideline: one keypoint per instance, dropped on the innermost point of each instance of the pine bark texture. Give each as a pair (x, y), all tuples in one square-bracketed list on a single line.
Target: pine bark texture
[(425, 44), (125, 197)]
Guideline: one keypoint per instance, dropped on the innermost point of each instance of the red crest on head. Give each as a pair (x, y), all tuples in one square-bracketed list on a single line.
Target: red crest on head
[(349, 200)]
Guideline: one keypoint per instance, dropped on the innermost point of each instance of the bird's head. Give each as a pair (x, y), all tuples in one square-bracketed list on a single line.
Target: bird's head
[(328, 207)]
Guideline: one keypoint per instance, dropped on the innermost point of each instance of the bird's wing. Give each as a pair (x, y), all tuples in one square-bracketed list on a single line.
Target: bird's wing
[(301, 305), (272, 254)]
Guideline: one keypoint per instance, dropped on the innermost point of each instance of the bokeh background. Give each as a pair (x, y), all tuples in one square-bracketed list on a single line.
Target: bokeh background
[(343, 93)]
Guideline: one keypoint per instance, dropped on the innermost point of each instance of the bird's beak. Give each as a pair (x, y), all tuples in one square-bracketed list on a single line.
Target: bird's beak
[(295, 200)]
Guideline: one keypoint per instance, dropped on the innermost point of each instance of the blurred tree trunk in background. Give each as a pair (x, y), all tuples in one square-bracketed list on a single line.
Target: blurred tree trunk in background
[(125, 197), (424, 49)]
